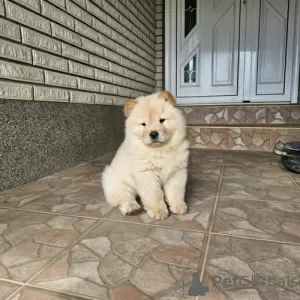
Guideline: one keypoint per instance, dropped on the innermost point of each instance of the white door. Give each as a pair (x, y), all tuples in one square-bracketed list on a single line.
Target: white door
[(272, 50), (207, 47), (229, 51)]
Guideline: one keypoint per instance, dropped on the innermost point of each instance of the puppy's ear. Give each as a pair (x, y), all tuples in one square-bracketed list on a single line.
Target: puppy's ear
[(128, 107), (168, 97)]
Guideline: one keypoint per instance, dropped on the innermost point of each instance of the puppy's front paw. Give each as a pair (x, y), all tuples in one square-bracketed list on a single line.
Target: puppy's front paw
[(158, 213), (130, 208), (180, 208)]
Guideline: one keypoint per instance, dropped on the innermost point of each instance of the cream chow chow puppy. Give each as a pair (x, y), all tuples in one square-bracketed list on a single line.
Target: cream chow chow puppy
[(152, 161)]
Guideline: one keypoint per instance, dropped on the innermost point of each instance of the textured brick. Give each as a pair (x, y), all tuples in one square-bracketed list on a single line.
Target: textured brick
[(103, 75), (10, 90), (114, 68), (84, 30), (119, 101), (101, 27), (119, 38), (74, 53), (42, 93), (53, 78), (103, 99), (49, 61), (79, 13), (111, 55), (26, 17), (57, 15), (109, 89), (1, 7), (118, 80), (9, 30), (89, 85), (81, 3), (114, 24), (60, 3), (124, 91), (15, 51), (20, 72), (96, 11), (99, 62), (40, 41), (65, 34), (107, 42), (82, 97), (32, 4), (92, 47), (81, 69)]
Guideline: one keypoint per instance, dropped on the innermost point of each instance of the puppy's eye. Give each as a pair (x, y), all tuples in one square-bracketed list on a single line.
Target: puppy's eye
[(162, 120), (143, 124)]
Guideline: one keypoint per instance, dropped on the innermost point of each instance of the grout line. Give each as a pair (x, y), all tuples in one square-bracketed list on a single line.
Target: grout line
[(61, 254), (15, 292), (11, 281), (254, 238), (64, 292), (205, 258)]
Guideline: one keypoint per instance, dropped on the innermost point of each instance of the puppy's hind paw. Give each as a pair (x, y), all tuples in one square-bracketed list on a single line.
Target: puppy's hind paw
[(179, 209), (158, 213), (130, 208)]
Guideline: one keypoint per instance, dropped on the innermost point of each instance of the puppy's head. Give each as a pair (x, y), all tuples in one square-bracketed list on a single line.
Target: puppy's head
[(154, 120)]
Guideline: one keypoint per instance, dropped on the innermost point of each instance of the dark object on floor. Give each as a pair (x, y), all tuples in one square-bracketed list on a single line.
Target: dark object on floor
[(292, 163), (290, 155)]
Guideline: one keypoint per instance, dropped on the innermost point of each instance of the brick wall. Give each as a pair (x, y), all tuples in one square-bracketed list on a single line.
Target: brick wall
[(159, 35), (78, 51)]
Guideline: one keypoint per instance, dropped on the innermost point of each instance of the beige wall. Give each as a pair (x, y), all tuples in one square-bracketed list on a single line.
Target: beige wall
[(87, 51)]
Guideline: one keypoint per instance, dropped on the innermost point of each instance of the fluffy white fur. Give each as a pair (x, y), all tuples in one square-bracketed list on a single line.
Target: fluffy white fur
[(156, 171)]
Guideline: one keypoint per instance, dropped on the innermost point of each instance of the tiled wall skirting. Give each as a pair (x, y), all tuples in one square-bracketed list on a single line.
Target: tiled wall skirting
[(242, 115), (240, 138)]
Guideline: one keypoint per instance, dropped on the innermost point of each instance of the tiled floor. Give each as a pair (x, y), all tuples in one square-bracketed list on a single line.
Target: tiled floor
[(59, 240)]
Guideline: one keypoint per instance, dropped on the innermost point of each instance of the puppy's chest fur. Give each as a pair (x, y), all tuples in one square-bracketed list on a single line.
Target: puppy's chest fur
[(165, 165)]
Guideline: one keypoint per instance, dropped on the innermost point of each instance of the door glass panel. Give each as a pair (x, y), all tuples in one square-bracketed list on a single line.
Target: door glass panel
[(190, 16), (190, 71)]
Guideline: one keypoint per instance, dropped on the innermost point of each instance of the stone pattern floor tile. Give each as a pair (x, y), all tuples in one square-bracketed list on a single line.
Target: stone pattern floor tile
[(248, 139), (6, 289), (127, 259), (28, 241), (39, 294), (259, 219), (208, 138), (259, 189), (76, 191), (252, 270)]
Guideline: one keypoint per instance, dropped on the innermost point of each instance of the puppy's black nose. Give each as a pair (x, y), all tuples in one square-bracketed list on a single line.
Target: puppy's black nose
[(153, 135)]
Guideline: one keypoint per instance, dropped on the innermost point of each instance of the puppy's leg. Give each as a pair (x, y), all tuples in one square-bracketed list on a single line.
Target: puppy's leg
[(117, 193), (175, 192), (152, 197)]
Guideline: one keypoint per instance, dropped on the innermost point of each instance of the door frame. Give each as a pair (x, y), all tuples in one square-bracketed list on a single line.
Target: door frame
[(171, 68)]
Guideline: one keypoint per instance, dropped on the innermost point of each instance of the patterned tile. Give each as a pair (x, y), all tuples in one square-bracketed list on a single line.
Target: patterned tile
[(256, 171), (259, 219), (206, 156), (252, 270), (284, 114), (248, 139), (247, 115), (210, 115), (29, 240), (259, 189), (197, 218), (39, 294), (76, 191), (128, 262), (207, 138), (7, 289), (252, 158), (284, 135), (188, 113)]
